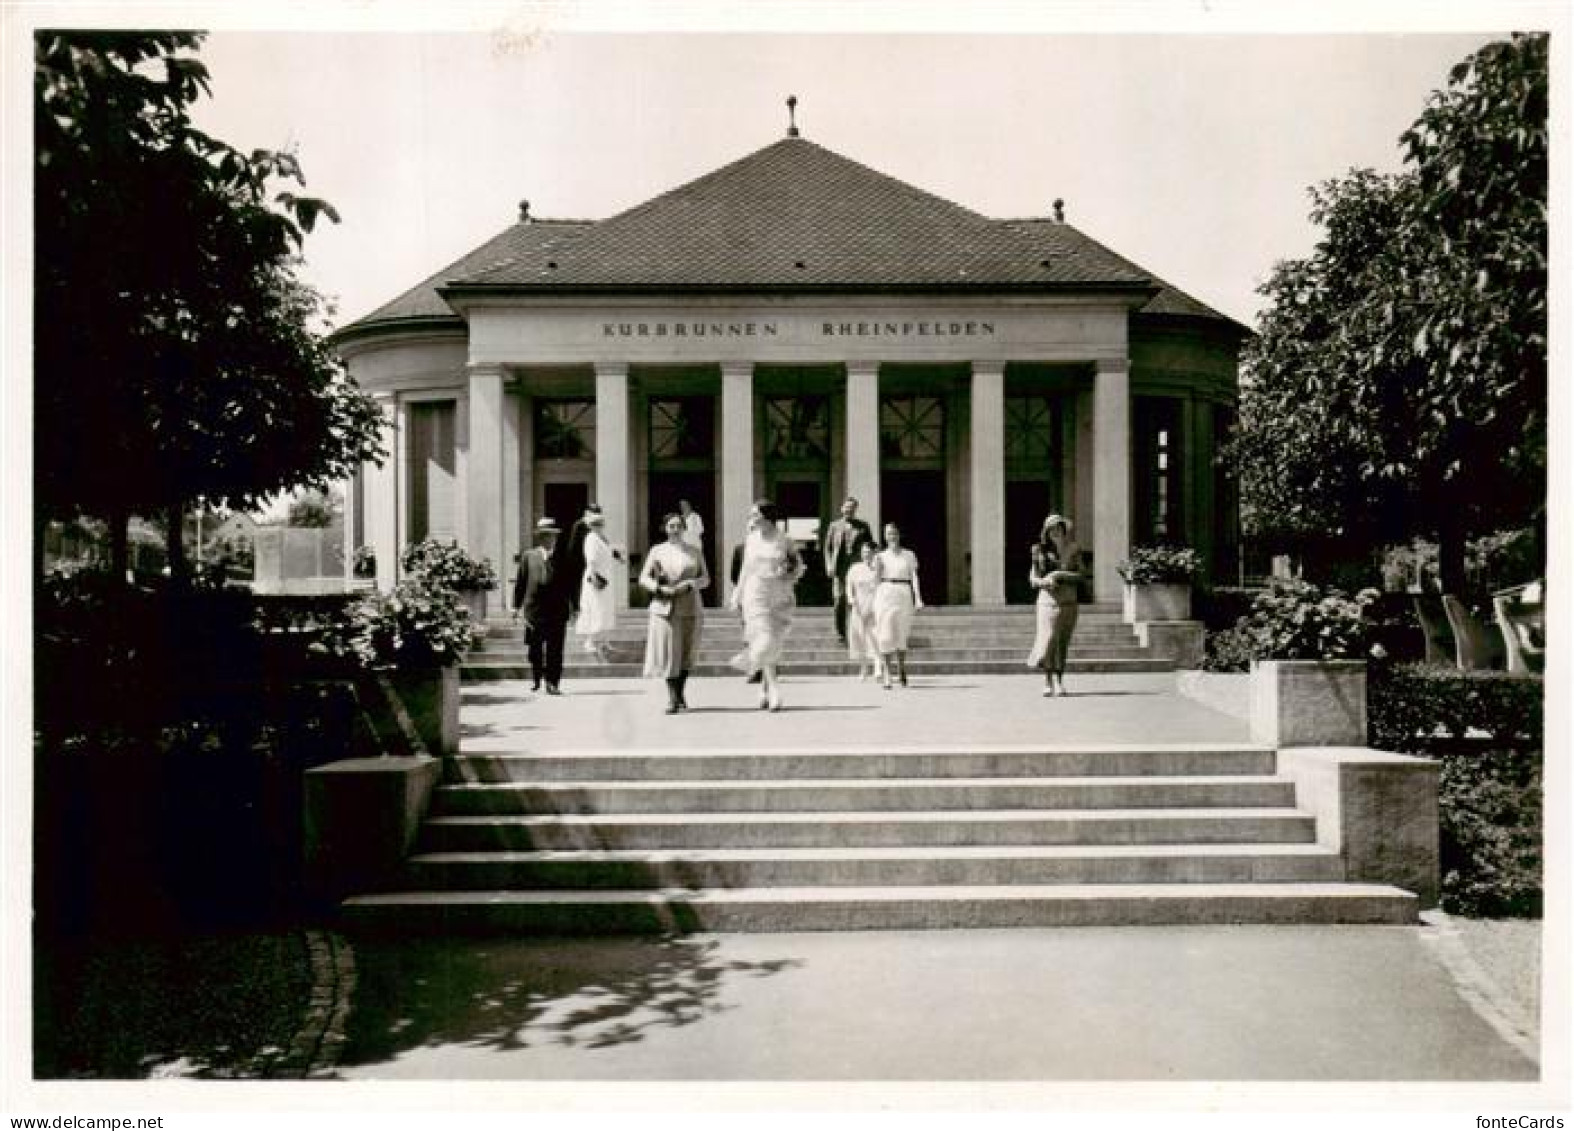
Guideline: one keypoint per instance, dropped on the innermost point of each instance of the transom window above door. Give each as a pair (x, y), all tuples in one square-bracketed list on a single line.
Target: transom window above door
[(683, 428), (565, 429), (1032, 430), (912, 428), (798, 428)]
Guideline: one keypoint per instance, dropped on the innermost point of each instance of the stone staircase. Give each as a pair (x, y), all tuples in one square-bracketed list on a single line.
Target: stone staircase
[(629, 841), (946, 640)]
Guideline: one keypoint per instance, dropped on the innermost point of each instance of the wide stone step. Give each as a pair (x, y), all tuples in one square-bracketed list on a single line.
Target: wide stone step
[(480, 668), (595, 869), (854, 762), (874, 908), (720, 654), (701, 797), (865, 829)]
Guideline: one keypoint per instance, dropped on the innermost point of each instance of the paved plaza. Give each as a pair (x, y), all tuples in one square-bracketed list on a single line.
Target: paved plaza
[(833, 711)]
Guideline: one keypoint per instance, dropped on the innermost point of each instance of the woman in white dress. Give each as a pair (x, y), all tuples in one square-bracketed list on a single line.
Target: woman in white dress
[(597, 612), (897, 597), (674, 574), (771, 566), (860, 583), (1055, 575)]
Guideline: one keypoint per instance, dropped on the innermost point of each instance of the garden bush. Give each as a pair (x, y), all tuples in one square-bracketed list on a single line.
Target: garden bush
[(1160, 565), (1485, 729), (1293, 620), (445, 565), (417, 625)]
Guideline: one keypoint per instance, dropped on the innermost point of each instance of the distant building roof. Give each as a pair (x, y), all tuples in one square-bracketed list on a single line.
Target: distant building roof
[(792, 216)]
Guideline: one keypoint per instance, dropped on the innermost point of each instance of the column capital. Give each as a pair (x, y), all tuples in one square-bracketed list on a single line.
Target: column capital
[(1113, 365), (989, 368), (485, 369), (863, 368), (737, 368), (611, 368)]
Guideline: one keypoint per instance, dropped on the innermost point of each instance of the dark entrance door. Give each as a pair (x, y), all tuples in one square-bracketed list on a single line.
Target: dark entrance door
[(666, 488), (562, 501), (915, 501), (1027, 505), (802, 503)]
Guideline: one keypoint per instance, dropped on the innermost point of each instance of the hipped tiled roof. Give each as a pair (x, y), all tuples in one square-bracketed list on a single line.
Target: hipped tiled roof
[(793, 216)]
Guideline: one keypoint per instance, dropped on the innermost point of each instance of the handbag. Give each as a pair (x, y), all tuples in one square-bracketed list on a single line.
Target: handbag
[(660, 606)]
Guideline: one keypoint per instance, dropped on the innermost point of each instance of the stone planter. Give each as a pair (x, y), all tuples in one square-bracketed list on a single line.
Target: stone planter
[(1309, 702), (1167, 601), (431, 700)]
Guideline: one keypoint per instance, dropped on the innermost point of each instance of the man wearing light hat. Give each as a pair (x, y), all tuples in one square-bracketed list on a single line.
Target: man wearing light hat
[(541, 597)]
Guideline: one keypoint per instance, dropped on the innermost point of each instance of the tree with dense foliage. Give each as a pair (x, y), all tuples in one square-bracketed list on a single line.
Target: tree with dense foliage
[(1397, 385), (175, 355)]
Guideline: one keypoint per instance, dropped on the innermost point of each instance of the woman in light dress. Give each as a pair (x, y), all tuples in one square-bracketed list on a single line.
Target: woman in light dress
[(897, 597), (1054, 573), (597, 612), (771, 566), (674, 574), (860, 583)]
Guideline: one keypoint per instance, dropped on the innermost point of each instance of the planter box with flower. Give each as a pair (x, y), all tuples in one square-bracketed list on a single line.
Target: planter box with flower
[(1308, 651), (1157, 600), (446, 566), (1158, 583), (414, 637)]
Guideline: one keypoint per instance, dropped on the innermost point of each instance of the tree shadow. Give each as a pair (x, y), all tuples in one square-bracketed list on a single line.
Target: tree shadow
[(514, 994)]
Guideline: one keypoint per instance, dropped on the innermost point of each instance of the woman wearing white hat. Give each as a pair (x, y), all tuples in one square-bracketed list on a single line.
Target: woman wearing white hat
[(597, 610), (1056, 576)]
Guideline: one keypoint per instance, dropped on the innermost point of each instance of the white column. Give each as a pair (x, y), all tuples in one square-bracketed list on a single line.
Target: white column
[(484, 472), (987, 498), (737, 466), (382, 496), (863, 441), (348, 514), (511, 505), (612, 466), (1111, 475)]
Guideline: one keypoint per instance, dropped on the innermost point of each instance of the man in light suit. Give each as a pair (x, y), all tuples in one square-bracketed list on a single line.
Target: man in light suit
[(541, 597), (841, 551)]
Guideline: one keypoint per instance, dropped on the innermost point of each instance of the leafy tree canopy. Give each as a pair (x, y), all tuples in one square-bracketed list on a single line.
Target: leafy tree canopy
[(174, 355), (1397, 385)]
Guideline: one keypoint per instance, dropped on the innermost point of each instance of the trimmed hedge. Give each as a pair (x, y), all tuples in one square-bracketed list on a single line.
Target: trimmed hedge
[(1485, 728), (1412, 708)]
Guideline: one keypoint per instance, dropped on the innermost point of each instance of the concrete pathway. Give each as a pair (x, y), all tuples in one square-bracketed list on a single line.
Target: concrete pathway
[(507, 716), (1221, 1003)]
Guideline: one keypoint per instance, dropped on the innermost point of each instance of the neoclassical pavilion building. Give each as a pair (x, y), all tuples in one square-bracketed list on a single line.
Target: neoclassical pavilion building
[(800, 327)]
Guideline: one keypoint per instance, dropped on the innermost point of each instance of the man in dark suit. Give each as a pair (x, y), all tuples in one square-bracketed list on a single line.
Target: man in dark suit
[(541, 598), (841, 551)]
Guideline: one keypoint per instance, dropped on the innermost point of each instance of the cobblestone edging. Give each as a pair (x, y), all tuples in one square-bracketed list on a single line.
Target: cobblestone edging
[(1480, 992), (315, 1049)]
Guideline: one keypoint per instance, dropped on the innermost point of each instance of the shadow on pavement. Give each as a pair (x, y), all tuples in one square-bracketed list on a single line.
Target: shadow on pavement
[(511, 994)]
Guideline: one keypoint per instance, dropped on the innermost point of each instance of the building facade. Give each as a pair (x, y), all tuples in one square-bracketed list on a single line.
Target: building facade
[(796, 326)]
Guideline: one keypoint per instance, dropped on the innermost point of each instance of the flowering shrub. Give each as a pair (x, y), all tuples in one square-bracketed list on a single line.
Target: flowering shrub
[(447, 566), (418, 625), (1160, 565), (1295, 620), (365, 562)]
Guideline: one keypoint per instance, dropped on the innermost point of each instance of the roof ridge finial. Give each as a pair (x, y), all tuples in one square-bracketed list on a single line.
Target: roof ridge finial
[(792, 115), (1060, 211)]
